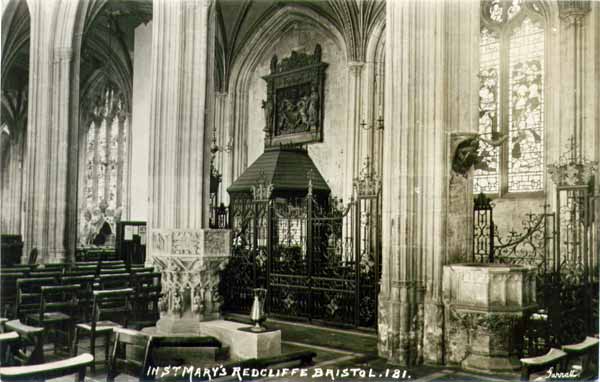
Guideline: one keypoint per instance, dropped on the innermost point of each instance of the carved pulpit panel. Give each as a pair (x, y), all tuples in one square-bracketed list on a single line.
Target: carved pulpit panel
[(294, 105)]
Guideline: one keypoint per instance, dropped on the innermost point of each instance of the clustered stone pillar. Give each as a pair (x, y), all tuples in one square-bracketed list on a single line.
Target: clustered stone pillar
[(423, 61), (188, 255), (11, 172), (352, 145), (47, 147)]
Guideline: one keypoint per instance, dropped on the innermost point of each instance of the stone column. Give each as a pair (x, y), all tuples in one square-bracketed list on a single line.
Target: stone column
[(12, 153), (185, 252), (425, 58), (413, 174), (352, 148), (223, 159), (573, 66), (46, 167), (462, 115)]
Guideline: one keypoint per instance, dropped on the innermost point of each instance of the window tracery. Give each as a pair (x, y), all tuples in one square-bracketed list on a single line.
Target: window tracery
[(511, 101), (106, 158)]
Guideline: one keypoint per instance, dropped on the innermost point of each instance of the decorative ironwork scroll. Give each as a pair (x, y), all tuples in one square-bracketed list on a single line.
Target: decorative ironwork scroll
[(294, 105), (560, 245), (319, 262)]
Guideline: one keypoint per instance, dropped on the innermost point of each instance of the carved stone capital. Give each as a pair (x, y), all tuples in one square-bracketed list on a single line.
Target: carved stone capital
[(356, 67), (573, 11)]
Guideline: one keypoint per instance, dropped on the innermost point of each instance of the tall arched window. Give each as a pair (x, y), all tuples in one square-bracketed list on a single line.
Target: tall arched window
[(106, 158), (511, 102)]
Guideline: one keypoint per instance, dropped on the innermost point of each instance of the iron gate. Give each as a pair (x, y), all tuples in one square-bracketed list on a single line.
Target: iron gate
[(319, 262), (560, 246)]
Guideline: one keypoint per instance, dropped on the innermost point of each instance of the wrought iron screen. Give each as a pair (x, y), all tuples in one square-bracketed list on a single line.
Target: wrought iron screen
[(559, 245), (318, 261)]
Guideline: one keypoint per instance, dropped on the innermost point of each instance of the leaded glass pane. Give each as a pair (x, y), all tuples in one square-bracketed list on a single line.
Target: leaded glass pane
[(526, 111), (105, 163), (486, 172)]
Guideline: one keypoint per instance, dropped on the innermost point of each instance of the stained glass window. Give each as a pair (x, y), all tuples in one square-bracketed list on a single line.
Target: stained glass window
[(106, 160), (511, 105)]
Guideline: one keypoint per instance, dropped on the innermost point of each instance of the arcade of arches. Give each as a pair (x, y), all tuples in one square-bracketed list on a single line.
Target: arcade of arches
[(385, 117)]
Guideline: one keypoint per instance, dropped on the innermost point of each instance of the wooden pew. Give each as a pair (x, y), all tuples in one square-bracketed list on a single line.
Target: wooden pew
[(50, 370), (586, 351), (553, 359)]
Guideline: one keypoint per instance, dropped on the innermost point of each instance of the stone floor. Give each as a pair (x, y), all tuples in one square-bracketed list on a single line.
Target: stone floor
[(336, 350)]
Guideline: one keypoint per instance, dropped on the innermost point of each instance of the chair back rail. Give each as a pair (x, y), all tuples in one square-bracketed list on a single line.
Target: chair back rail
[(48, 370), (29, 292), (62, 298), (115, 281)]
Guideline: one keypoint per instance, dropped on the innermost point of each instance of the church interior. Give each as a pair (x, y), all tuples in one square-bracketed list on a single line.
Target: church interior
[(299, 189)]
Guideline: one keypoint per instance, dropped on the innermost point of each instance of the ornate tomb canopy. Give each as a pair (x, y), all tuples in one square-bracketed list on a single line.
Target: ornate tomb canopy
[(294, 105), (281, 172)]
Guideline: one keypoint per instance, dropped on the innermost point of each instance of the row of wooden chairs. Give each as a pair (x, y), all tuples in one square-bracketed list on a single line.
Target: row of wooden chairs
[(37, 296), (95, 254), (8, 277)]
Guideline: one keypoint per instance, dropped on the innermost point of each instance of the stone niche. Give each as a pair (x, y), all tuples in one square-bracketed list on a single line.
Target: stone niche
[(486, 306)]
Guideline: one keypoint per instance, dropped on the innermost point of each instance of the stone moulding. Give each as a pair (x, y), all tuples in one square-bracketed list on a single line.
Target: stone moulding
[(166, 242)]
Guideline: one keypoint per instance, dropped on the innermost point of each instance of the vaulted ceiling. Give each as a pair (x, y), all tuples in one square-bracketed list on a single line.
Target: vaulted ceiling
[(107, 46), (238, 20)]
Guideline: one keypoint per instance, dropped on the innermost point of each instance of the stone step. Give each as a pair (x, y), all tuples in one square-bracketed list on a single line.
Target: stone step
[(200, 356)]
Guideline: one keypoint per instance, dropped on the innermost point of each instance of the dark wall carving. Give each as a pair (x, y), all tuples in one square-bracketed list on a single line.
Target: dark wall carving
[(294, 105)]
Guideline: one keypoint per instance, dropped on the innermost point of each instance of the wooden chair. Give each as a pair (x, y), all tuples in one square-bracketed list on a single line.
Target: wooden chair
[(29, 293), (9, 343), (115, 281), (56, 267), (58, 311), (45, 273), (113, 271), (132, 342), (147, 345), (33, 255), (30, 350), (108, 306), (42, 372), (112, 264), (92, 254), (553, 359), (141, 268), (24, 268), (8, 292), (84, 294), (585, 353), (147, 287)]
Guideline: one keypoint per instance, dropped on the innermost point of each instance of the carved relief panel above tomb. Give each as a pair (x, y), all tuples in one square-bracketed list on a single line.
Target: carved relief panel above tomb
[(294, 105)]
